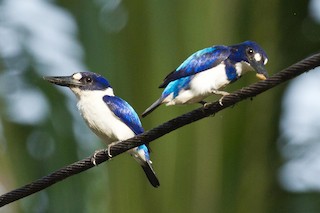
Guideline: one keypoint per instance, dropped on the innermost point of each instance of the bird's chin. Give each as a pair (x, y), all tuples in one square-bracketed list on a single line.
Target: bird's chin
[(76, 91), (261, 76)]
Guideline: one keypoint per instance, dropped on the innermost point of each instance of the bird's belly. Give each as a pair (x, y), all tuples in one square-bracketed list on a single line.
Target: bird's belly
[(184, 97), (103, 122), (201, 86), (207, 81)]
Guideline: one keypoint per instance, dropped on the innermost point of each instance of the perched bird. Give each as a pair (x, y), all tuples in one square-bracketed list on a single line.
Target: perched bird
[(108, 116), (208, 70)]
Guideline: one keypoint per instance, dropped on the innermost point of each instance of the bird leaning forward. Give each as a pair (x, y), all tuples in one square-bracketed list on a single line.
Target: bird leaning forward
[(209, 70)]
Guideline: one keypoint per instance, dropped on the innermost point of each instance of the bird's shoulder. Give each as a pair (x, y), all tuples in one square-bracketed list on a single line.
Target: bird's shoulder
[(124, 111), (199, 61)]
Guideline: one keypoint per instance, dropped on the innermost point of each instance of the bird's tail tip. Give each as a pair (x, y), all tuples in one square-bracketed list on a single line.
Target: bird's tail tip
[(151, 175), (152, 107)]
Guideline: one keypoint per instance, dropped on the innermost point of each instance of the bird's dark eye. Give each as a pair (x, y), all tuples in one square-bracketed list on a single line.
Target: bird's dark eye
[(250, 52), (87, 79)]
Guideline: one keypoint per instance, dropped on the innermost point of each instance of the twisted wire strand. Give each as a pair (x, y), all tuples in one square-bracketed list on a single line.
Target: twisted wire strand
[(247, 92)]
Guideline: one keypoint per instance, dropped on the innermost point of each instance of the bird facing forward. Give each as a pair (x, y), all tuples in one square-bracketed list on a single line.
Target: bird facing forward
[(108, 116), (208, 70)]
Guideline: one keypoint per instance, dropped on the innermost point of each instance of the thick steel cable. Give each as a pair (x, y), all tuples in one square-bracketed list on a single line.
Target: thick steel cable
[(169, 126)]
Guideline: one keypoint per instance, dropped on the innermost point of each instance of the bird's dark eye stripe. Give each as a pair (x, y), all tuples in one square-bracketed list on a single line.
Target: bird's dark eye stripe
[(87, 79)]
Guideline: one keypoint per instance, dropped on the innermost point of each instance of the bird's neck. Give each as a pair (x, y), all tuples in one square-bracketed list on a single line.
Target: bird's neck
[(83, 94), (242, 68)]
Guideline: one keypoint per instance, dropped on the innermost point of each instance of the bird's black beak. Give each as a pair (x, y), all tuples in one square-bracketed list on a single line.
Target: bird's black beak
[(67, 81), (259, 67)]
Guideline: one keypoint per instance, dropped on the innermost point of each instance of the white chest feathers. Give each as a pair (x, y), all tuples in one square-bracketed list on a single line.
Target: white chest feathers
[(211, 79), (101, 120), (201, 86)]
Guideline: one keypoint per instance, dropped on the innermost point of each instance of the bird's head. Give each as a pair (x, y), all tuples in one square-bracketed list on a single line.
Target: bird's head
[(81, 82), (252, 55)]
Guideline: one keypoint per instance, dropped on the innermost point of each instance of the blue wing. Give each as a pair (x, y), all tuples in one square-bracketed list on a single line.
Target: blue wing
[(199, 61), (124, 112)]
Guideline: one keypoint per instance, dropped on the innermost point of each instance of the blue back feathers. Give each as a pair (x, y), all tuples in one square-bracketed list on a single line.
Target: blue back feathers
[(199, 61), (124, 112), (175, 86)]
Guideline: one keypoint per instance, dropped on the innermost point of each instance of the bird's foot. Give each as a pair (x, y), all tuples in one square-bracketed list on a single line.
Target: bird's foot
[(94, 156), (203, 103), (220, 101), (223, 93), (108, 151), (206, 105)]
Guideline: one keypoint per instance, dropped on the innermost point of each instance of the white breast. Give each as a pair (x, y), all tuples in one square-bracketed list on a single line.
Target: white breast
[(201, 86), (100, 118), (212, 79)]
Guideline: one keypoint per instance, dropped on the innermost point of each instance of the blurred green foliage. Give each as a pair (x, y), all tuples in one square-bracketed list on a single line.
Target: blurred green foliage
[(226, 163)]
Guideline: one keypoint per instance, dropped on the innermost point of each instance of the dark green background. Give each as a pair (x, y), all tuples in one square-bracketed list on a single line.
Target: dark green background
[(226, 163)]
